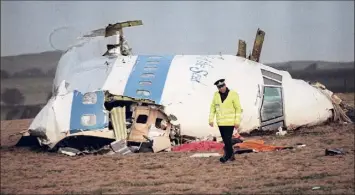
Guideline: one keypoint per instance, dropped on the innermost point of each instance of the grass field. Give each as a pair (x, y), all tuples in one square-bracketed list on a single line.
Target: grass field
[(294, 171)]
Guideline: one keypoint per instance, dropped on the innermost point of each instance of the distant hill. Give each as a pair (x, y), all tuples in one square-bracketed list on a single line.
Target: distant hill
[(311, 65), (44, 64), (30, 65)]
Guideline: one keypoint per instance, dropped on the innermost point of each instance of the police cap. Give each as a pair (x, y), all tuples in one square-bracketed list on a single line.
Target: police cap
[(219, 83)]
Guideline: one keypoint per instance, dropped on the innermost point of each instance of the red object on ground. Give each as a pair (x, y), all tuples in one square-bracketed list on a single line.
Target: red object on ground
[(202, 146)]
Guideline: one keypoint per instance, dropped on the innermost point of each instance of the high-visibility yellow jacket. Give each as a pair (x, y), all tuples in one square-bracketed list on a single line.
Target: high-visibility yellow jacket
[(227, 113)]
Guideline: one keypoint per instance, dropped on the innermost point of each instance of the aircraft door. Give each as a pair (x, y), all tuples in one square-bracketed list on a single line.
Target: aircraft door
[(272, 106)]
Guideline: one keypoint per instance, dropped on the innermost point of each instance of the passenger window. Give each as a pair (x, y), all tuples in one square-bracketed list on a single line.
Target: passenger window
[(90, 98), (143, 92), (142, 119), (154, 57), (158, 122), (145, 82), (147, 75), (154, 62), (150, 68), (88, 120)]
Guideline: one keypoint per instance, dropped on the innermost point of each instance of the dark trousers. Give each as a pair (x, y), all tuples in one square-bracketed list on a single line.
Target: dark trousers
[(227, 133)]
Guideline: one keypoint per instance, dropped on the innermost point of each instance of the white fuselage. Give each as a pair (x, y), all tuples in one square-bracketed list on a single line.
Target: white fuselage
[(184, 85)]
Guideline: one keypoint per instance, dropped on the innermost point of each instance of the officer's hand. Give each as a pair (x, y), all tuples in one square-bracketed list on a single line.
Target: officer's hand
[(211, 124)]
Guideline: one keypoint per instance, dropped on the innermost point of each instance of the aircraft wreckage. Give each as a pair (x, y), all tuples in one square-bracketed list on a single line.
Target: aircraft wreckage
[(103, 96)]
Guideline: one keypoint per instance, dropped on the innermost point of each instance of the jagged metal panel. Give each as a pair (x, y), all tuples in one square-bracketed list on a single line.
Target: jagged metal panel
[(242, 49), (258, 44), (115, 28)]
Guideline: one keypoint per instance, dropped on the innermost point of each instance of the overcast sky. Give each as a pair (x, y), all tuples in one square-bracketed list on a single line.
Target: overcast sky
[(294, 30)]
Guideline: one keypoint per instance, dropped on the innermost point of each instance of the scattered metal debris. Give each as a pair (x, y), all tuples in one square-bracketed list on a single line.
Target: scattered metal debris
[(281, 132), (300, 145), (316, 188), (333, 152), (120, 147), (69, 151)]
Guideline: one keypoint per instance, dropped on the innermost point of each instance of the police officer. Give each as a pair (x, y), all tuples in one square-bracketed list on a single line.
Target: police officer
[(226, 106)]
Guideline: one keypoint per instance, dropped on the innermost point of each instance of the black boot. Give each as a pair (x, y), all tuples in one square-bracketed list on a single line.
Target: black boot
[(224, 158)]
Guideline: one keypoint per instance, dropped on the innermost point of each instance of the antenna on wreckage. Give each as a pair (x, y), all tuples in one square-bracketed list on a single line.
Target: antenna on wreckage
[(258, 44), (114, 29)]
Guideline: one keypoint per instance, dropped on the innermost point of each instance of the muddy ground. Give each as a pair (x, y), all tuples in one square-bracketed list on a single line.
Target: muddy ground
[(29, 171)]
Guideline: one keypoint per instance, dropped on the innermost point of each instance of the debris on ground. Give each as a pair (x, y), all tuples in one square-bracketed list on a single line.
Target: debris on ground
[(178, 168), (300, 145), (205, 155), (259, 146), (333, 152), (69, 151), (240, 146), (202, 146), (242, 151), (281, 132), (161, 144), (120, 147), (236, 140)]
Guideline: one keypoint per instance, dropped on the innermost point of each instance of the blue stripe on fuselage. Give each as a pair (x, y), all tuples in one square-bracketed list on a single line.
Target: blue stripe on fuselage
[(145, 67)]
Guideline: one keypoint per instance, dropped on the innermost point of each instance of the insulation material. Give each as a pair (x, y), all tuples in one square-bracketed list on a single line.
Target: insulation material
[(118, 118)]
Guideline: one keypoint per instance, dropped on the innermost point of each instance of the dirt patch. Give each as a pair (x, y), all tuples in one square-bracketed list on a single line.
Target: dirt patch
[(287, 172), (12, 127), (347, 98)]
